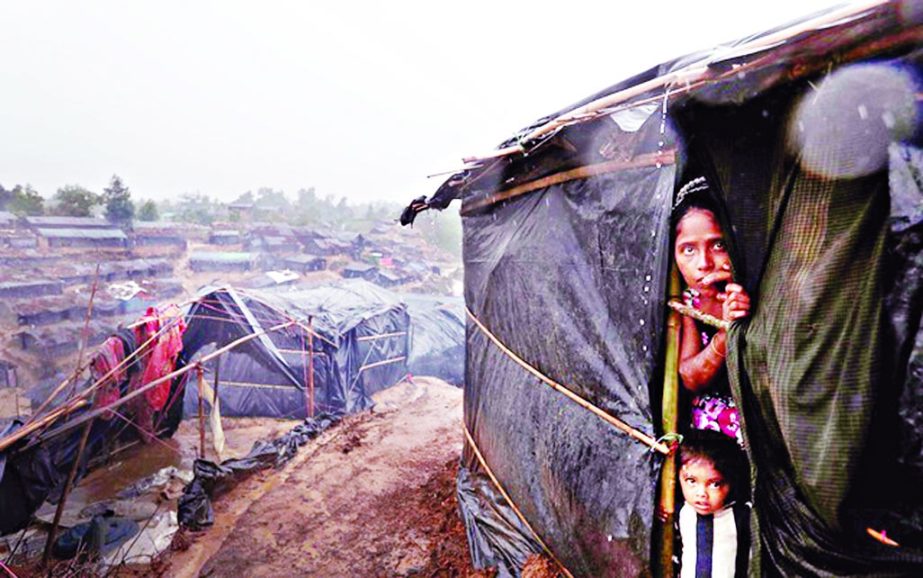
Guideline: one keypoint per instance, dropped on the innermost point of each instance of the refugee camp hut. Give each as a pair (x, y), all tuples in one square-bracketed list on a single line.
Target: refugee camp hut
[(53, 222), (437, 344), (8, 374), (806, 135), (360, 271), (220, 261), (96, 238), (158, 234), (274, 244), (8, 220), (30, 288), (359, 345), (304, 263), (19, 240), (225, 237)]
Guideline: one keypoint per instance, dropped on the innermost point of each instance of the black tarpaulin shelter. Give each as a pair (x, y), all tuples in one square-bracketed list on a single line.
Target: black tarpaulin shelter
[(354, 335), (810, 136), (437, 346)]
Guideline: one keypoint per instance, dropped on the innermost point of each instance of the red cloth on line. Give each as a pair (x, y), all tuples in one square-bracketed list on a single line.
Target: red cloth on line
[(109, 355), (161, 357)]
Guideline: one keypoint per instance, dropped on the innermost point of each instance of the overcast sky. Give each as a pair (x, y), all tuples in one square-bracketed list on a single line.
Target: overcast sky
[(357, 99)]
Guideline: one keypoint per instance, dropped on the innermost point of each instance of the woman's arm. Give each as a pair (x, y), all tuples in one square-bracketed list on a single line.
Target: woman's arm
[(699, 365)]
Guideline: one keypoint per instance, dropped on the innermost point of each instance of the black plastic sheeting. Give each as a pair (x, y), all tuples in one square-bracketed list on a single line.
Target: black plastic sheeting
[(361, 347), (571, 278), (31, 473), (437, 345), (211, 479)]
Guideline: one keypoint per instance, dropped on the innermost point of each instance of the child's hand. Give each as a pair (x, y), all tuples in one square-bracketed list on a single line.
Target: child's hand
[(735, 303)]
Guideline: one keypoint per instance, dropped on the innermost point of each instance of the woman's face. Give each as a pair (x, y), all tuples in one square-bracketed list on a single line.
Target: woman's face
[(700, 252)]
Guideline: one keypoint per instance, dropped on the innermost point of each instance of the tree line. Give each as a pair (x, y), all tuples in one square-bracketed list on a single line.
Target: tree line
[(115, 203)]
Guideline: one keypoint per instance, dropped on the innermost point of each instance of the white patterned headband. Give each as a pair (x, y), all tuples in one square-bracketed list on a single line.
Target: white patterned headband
[(696, 185)]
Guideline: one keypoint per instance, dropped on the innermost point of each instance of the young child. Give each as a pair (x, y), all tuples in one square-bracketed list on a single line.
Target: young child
[(714, 522)]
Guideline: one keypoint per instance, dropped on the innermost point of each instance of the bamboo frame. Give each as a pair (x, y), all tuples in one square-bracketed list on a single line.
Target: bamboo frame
[(510, 501), (144, 388), (667, 157), (611, 420), (669, 424), (683, 309), (381, 336), (382, 362)]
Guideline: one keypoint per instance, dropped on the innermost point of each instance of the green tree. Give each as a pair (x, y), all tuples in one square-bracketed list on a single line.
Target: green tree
[(195, 208), (148, 211), (26, 201), (6, 197), (244, 198), (119, 207), (75, 201)]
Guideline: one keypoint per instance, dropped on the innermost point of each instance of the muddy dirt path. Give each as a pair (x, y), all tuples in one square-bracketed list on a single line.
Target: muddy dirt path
[(350, 505)]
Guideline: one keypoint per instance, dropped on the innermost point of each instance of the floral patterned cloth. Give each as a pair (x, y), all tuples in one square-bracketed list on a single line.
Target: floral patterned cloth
[(714, 410)]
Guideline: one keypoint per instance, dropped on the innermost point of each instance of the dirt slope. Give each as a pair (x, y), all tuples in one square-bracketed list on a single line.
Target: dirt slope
[(358, 504)]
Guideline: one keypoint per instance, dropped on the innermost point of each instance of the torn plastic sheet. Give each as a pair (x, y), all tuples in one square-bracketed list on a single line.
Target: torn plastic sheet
[(211, 479)]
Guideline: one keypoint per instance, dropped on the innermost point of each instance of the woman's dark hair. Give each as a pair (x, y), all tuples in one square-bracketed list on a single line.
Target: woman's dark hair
[(695, 194), (726, 456)]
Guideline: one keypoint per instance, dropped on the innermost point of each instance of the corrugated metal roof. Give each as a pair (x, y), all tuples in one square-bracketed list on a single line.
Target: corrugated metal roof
[(66, 233), (73, 222), (221, 256)]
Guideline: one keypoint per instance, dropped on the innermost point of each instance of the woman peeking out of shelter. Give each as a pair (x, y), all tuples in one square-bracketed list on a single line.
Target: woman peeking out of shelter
[(701, 255)]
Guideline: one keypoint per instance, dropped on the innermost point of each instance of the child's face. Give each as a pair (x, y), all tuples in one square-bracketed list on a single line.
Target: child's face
[(704, 488), (700, 252)]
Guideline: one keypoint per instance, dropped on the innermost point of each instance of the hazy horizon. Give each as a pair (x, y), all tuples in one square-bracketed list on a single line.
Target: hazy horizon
[(357, 100)]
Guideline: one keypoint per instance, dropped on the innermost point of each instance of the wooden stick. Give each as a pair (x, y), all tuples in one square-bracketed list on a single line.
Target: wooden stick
[(102, 379), (40, 423), (85, 337), (201, 384), (683, 309), (311, 367), (669, 424), (611, 420), (667, 157), (128, 397), (52, 532)]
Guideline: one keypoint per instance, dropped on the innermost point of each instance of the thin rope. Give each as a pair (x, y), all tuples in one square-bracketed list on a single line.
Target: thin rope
[(509, 500), (612, 420)]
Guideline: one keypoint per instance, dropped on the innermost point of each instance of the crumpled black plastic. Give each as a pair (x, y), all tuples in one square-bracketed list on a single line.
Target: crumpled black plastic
[(211, 479)]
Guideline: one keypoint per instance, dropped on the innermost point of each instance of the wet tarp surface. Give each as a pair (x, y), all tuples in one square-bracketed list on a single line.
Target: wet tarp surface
[(570, 278), (361, 346), (437, 344)]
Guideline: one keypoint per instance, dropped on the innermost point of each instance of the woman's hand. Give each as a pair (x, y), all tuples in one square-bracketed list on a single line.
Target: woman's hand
[(735, 303)]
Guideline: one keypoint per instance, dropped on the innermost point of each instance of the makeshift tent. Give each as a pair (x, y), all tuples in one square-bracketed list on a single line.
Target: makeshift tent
[(437, 346), (353, 334), (810, 135)]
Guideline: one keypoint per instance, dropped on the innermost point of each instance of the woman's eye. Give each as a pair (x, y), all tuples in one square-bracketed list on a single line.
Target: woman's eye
[(719, 246), (688, 250)]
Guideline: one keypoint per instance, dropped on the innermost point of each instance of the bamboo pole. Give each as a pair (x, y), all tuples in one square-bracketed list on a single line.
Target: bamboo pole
[(201, 385), (683, 309), (40, 423), (53, 531), (611, 420), (669, 424), (61, 386), (311, 367), (128, 397), (85, 335)]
